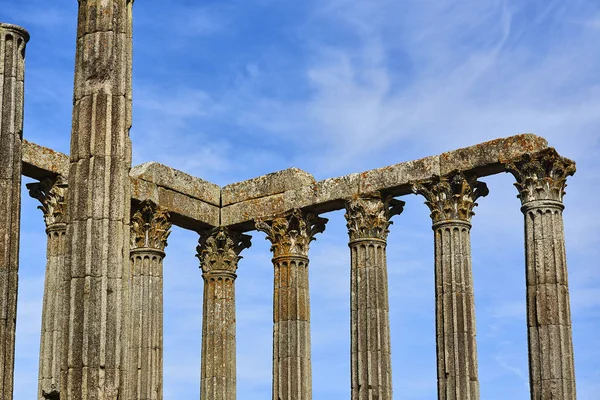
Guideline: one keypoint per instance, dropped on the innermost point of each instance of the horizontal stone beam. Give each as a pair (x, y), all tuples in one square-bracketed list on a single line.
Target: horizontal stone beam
[(395, 180), (197, 204), (192, 202), (41, 162)]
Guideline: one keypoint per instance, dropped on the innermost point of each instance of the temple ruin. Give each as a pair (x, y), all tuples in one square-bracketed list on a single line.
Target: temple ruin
[(107, 227)]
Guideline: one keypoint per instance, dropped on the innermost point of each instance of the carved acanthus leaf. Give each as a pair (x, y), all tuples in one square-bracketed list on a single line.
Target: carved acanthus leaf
[(51, 194), (451, 197), (541, 176), (369, 216), (219, 249), (291, 234), (150, 226)]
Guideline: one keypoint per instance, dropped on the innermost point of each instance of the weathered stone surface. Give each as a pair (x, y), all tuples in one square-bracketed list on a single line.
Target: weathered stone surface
[(240, 203), (290, 236), (186, 212), (178, 181), (52, 195), (150, 228), (333, 190), (219, 252), (266, 185), (245, 212), (174, 190), (13, 40), (99, 205), (40, 162), (541, 180), (485, 158), (371, 363), (396, 180), (451, 201)]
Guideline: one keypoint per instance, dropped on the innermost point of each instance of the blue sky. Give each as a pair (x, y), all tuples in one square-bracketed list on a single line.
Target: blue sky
[(229, 90)]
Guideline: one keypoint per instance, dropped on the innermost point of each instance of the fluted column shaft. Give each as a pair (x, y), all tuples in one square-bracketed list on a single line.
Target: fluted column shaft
[(12, 72), (99, 204), (51, 193), (150, 228), (451, 201), (218, 251), (371, 364), (455, 312), (541, 180), (290, 236), (52, 312), (145, 375), (292, 371)]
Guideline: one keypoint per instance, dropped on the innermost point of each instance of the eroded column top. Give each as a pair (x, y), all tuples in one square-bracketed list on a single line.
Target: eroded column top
[(368, 216), (219, 251), (22, 32), (291, 233), (451, 198)]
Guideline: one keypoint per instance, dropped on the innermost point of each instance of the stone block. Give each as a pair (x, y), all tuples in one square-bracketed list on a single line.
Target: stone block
[(143, 190), (335, 189), (395, 179), (247, 211), (266, 185), (483, 158), (195, 213), (41, 162), (299, 198), (178, 181)]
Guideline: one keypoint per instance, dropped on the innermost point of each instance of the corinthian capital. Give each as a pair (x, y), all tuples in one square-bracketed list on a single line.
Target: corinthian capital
[(541, 176), (369, 216), (51, 194), (219, 249), (451, 197), (150, 226), (291, 234)]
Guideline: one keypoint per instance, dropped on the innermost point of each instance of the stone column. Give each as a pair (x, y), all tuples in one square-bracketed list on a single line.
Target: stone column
[(150, 228), (451, 201), (368, 221), (219, 252), (99, 204), (290, 235), (51, 194), (12, 72), (541, 180)]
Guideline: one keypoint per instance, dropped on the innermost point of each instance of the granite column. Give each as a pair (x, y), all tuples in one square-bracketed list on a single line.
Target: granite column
[(51, 194), (368, 222), (219, 252), (12, 72), (541, 180), (451, 201), (99, 204), (290, 236), (150, 228)]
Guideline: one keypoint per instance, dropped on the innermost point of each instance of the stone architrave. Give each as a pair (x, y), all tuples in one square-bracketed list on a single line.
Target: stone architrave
[(219, 252), (98, 232), (150, 228), (541, 181), (368, 222), (451, 200), (12, 72), (52, 195), (290, 236)]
